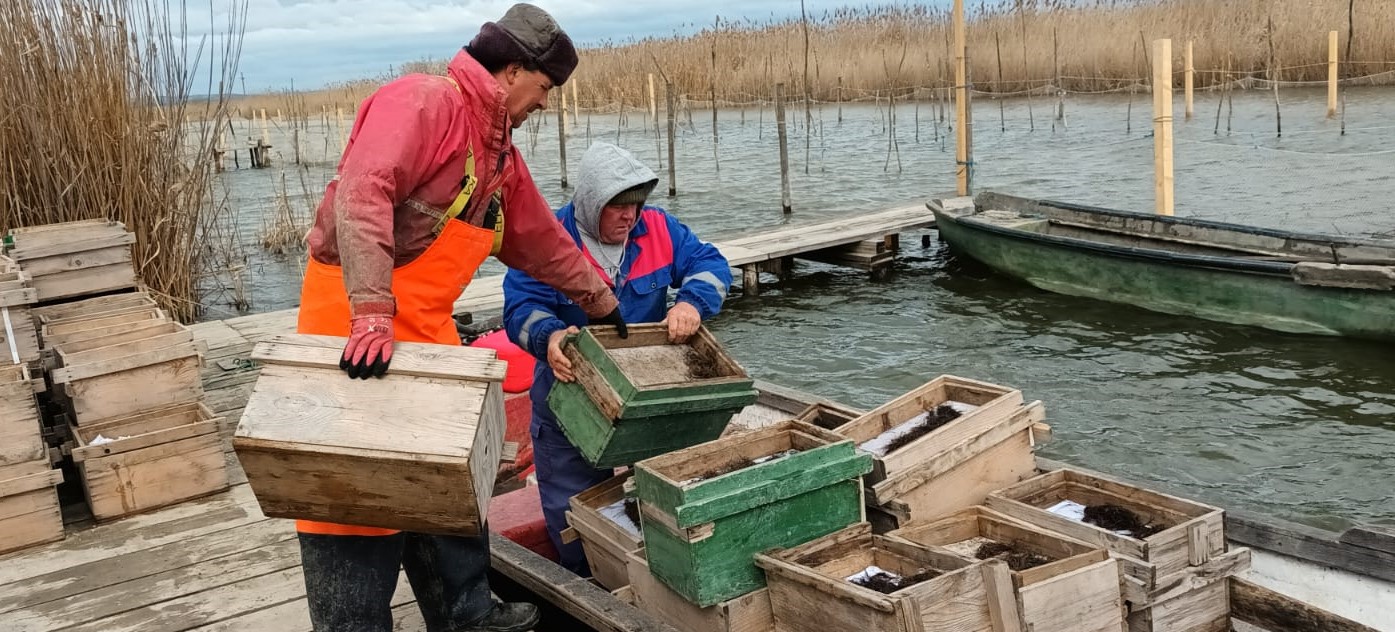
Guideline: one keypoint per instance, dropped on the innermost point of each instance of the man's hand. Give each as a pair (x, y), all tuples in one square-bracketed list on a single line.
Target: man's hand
[(561, 366), (370, 347), (683, 321)]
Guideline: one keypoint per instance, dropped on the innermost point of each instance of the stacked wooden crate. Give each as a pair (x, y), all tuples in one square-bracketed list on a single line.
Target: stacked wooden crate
[(20, 343), (854, 580), (981, 439), (606, 521), (74, 259), (1172, 551), (128, 379), (29, 510)]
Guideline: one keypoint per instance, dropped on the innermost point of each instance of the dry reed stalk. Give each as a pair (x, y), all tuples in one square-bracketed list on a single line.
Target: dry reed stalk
[(96, 95)]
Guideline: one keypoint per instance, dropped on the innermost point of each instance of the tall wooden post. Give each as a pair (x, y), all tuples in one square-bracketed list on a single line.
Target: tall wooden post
[(1331, 74), (1162, 126), (963, 152), (562, 138), (576, 100), (784, 148), (672, 102), (1190, 79), (653, 106)]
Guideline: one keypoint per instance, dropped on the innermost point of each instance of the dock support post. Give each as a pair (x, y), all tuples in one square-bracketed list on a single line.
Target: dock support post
[(750, 279), (562, 138), (1190, 80), (784, 148), (1162, 126), (1331, 74)]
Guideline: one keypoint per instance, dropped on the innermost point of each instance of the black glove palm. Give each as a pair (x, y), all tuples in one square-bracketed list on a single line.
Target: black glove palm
[(614, 318)]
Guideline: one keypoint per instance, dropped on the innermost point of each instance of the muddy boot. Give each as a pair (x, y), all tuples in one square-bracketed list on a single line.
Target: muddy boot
[(506, 617)]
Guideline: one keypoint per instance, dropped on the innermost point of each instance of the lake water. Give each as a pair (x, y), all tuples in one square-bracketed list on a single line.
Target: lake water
[(1297, 427)]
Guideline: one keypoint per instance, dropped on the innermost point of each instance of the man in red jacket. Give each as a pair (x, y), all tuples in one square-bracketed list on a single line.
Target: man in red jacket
[(428, 187)]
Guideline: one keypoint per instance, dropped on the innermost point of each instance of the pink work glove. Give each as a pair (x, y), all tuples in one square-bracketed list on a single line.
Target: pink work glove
[(370, 347)]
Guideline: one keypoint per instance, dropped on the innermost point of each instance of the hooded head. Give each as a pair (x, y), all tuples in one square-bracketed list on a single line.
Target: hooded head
[(609, 175)]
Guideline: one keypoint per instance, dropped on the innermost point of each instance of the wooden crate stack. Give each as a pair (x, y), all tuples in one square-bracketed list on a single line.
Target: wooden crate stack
[(29, 510), (812, 587), (74, 259), (607, 530), (128, 381), (1174, 579), (1061, 584), (987, 446), (20, 338)]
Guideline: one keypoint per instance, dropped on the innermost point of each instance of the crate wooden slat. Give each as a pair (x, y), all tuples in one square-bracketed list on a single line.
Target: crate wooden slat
[(994, 404), (87, 308), (620, 411), (20, 424), (89, 339), (1194, 534), (29, 510), (972, 461), (701, 528), (57, 334), (76, 259), (1077, 591), (130, 377), (431, 432), (809, 589), (153, 459), (19, 338), (605, 542), (748, 613)]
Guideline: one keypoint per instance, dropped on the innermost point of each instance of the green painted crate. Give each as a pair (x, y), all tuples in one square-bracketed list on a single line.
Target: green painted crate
[(701, 534), (634, 398)]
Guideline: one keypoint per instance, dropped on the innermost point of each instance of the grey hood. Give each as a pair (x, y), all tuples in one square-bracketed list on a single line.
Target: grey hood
[(605, 171)]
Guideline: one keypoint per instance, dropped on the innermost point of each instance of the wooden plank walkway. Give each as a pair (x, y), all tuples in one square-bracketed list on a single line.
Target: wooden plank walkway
[(218, 563)]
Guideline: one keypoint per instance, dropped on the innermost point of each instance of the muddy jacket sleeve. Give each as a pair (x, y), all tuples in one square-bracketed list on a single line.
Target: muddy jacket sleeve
[(530, 312), (536, 243), (395, 140), (702, 273)]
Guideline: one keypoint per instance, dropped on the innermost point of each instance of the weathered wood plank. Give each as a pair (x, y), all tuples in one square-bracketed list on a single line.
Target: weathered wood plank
[(1277, 613), (1370, 537), (1307, 543)]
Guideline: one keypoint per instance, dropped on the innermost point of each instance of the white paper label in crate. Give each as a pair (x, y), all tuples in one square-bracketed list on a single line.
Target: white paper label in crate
[(1069, 509), (615, 512), (870, 572)]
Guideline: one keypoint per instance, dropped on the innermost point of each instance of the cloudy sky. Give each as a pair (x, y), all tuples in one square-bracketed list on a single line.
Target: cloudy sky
[(316, 42)]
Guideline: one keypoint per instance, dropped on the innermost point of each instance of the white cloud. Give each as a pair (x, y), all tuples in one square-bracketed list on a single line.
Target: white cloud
[(316, 42)]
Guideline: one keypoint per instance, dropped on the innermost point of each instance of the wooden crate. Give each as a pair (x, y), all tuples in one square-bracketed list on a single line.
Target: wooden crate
[(967, 463), (20, 423), (130, 377), (634, 398), (1194, 532), (605, 541), (88, 308), (154, 459), (429, 435), (1204, 607), (827, 416), (58, 333), (810, 591), (19, 339), (748, 613), (995, 404), (89, 339), (1076, 591), (75, 258), (29, 509), (701, 527)]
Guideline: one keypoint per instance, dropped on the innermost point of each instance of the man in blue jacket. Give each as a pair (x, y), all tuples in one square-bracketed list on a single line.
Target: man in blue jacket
[(641, 251)]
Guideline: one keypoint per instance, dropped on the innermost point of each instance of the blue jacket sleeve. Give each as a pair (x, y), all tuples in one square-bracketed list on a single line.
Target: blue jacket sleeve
[(703, 274), (530, 312)]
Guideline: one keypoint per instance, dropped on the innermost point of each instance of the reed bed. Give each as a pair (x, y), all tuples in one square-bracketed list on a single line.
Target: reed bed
[(1042, 46), (94, 98)]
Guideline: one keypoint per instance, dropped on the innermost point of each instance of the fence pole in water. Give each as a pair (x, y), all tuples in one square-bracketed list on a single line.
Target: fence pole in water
[(1162, 126), (653, 107), (963, 151), (1331, 74), (576, 101), (562, 138), (1190, 79), (672, 103), (784, 148)]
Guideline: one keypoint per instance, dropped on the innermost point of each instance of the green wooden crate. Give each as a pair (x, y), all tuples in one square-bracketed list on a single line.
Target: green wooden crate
[(701, 534), (634, 398)]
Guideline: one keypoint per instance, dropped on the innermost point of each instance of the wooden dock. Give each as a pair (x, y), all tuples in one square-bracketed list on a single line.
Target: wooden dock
[(218, 564)]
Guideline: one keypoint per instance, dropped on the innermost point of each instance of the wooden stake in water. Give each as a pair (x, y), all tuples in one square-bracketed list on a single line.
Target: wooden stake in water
[(963, 151), (1026, 70), (1190, 76), (712, 94), (1002, 114), (1274, 79), (1060, 90), (672, 102), (1331, 74), (562, 137), (1162, 126), (576, 103), (653, 106), (840, 99), (784, 148)]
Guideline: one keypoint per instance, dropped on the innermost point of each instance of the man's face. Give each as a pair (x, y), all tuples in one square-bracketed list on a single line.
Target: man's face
[(616, 222), (527, 92)]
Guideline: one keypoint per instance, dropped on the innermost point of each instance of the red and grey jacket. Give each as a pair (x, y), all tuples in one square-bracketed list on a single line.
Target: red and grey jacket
[(402, 168)]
